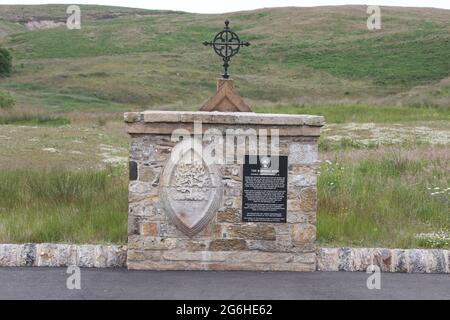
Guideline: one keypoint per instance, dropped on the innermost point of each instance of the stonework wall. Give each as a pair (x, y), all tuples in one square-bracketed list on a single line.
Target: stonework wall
[(226, 243)]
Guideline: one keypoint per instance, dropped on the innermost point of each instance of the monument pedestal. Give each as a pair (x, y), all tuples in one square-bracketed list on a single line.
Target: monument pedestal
[(186, 211)]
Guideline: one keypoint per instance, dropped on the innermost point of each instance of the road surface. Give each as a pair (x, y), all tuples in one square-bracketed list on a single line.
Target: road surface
[(50, 283)]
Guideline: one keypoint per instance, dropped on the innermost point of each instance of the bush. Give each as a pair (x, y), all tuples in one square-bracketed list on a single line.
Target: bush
[(6, 100), (5, 62)]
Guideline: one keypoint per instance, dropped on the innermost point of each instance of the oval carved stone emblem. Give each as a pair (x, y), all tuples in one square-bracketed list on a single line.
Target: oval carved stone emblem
[(191, 190)]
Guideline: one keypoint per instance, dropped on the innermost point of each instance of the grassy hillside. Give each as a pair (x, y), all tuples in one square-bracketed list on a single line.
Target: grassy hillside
[(384, 153), (125, 59)]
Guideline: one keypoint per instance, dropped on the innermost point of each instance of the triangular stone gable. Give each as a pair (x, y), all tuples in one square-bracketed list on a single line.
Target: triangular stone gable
[(225, 99)]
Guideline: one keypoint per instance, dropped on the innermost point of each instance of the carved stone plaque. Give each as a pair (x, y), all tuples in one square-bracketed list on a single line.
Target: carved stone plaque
[(191, 190)]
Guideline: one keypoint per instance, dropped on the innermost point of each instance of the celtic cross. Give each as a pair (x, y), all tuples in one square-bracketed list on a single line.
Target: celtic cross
[(226, 44)]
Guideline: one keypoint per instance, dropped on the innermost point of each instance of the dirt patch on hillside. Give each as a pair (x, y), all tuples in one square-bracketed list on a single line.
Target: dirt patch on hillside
[(44, 24), (432, 133)]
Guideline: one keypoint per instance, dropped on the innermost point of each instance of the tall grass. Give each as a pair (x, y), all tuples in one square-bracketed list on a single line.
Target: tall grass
[(33, 119), (363, 113), (376, 201), (63, 206), (382, 201)]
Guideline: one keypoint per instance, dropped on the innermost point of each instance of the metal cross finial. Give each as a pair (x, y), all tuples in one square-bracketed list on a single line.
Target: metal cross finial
[(226, 44)]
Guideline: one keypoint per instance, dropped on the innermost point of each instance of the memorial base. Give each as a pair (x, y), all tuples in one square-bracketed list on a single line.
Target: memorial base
[(190, 216)]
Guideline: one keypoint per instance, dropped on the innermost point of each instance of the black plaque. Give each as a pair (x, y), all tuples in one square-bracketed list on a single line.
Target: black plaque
[(133, 171), (264, 193)]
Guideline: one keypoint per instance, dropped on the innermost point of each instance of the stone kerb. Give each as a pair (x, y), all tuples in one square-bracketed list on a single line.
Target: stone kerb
[(62, 255), (388, 260)]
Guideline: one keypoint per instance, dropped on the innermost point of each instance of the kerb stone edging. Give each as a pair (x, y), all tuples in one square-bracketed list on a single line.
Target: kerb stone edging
[(388, 260), (62, 255), (327, 259)]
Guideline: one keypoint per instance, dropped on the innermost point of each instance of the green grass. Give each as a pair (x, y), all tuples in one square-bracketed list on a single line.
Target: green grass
[(394, 60), (364, 113), (382, 201), (325, 56), (63, 206), (64, 102), (376, 201), (302, 61), (344, 144), (35, 120)]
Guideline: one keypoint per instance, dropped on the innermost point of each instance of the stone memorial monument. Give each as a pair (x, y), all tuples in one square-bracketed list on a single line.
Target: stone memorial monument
[(222, 188)]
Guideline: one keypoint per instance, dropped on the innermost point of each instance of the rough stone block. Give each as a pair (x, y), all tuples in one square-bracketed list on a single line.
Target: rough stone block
[(228, 245), (251, 232), (193, 245), (139, 187), (232, 188), (363, 259), (87, 255), (146, 173), (345, 259), (417, 261), (149, 229), (303, 233), (232, 215), (232, 172), (10, 255), (301, 217), (271, 246), (101, 256), (117, 256), (146, 208), (438, 261), (301, 176), (55, 255), (308, 199), (261, 257), (141, 149), (151, 243), (383, 258), (327, 259), (448, 261), (144, 255), (401, 260), (166, 265), (205, 256), (231, 202), (304, 154), (28, 255), (305, 257), (133, 225)]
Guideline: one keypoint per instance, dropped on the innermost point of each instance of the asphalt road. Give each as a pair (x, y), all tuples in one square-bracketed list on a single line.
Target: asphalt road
[(50, 283)]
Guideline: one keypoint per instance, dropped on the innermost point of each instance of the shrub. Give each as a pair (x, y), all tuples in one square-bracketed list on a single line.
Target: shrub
[(6, 100), (5, 62)]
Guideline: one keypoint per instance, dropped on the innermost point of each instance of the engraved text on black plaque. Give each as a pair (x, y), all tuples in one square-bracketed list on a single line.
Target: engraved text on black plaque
[(264, 194)]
